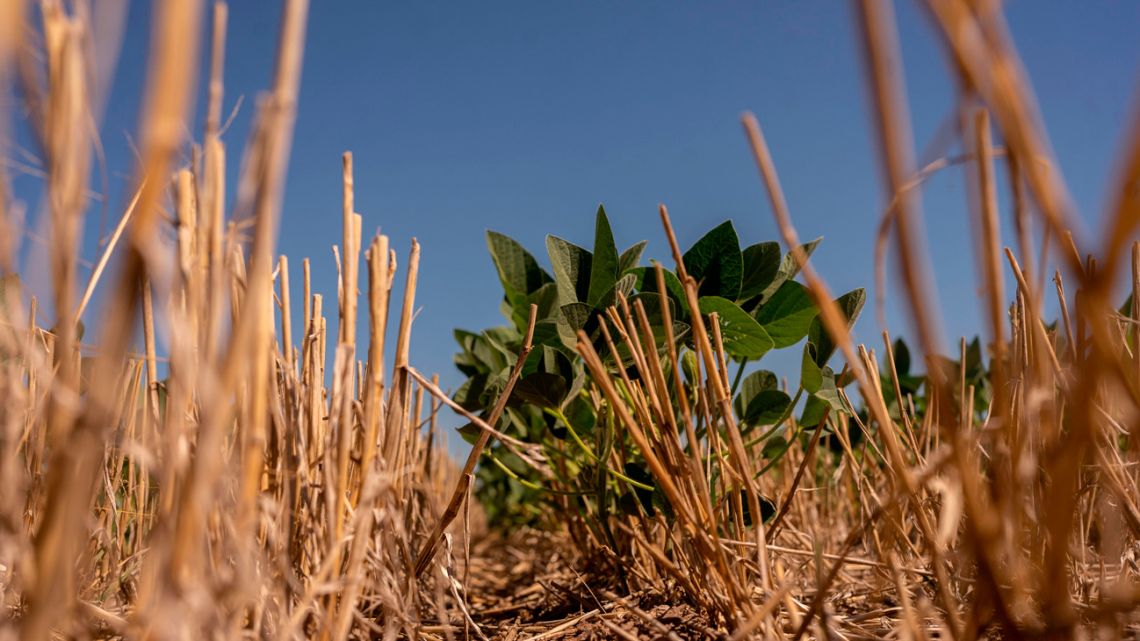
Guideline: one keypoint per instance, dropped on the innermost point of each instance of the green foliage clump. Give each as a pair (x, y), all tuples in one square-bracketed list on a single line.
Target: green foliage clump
[(593, 466)]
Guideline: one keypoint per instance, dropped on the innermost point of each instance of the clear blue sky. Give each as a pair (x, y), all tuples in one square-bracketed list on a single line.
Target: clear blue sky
[(523, 116)]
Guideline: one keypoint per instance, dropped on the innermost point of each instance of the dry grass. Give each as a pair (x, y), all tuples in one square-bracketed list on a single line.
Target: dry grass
[(232, 487)]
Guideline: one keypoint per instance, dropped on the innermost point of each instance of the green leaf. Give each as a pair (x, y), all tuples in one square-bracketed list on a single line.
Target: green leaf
[(715, 262), (647, 282), (541, 389), (518, 270), (651, 301), (788, 314), (574, 317), (624, 285), (604, 267), (689, 366), (641, 475), (910, 384), (576, 385), (572, 266), (767, 508), (829, 391), (549, 359), (464, 359), (825, 396), (631, 257), (629, 504), (516, 307), (789, 268), (774, 446), (902, 357), (974, 365), (814, 410), (519, 274), (546, 298), (469, 432), (756, 382), (761, 264), (481, 353), (581, 415), (662, 504), (760, 402), (506, 340), (850, 304), (546, 333), (811, 377), (743, 336)]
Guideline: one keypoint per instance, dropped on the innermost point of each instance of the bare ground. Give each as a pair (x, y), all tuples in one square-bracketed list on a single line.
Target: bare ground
[(524, 586)]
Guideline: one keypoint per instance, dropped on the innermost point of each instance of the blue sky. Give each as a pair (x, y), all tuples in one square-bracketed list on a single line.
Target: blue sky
[(523, 116)]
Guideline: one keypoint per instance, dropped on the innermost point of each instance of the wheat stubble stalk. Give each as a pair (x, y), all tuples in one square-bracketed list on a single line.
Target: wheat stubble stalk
[(461, 492), (196, 467)]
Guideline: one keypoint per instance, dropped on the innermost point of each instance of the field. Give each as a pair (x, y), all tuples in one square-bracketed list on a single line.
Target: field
[(632, 473)]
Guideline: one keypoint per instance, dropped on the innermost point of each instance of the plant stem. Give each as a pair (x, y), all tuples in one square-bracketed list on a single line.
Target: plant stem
[(526, 483), (739, 377), (557, 413)]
